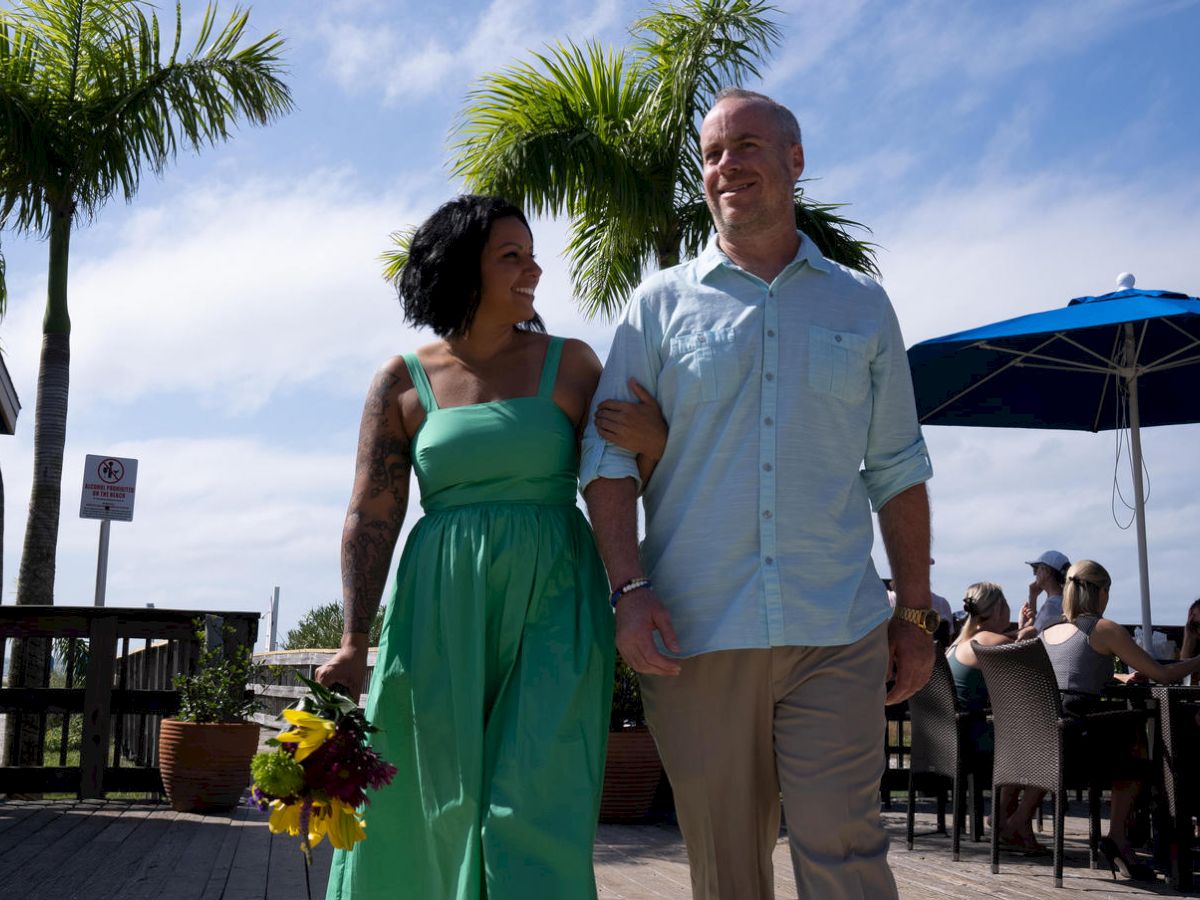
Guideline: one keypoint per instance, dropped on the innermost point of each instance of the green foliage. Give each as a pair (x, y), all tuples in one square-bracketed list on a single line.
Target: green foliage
[(610, 138), (321, 629), (77, 665), (627, 711), (395, 258), (216, 691)]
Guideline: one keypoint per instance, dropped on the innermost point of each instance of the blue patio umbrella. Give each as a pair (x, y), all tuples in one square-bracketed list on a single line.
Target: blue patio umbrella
[(1126, 359)]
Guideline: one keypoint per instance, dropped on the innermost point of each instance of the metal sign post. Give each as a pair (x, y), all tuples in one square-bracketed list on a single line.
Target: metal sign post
[(108, 491), (273, 615)]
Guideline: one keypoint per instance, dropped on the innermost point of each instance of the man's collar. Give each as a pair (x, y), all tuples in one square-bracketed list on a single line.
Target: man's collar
[(713, 257)]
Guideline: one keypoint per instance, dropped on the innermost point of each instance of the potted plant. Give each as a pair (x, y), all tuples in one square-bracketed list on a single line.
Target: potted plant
[(632, 768), (204, 752)]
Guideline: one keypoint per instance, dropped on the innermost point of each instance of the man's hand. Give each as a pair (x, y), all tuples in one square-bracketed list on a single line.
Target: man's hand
[(639, 614), (347, 667), (1028, 616), (911, 659)]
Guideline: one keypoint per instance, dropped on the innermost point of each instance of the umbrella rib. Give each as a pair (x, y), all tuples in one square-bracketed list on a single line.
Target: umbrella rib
[(982, 381), (1105, 360), (1176, 364), (1051, 362), (1161, 362)]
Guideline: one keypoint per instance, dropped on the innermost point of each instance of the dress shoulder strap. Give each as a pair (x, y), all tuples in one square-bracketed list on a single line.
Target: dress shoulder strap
[(420, 381), (550, 367)]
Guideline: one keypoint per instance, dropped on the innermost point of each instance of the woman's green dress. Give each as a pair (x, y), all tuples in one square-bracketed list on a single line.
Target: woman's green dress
[(494, 675)]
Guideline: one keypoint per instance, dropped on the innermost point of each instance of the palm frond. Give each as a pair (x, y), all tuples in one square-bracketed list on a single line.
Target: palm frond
[(545, 135), (831, 233), (395, 258), (607, 262), (692, 49)]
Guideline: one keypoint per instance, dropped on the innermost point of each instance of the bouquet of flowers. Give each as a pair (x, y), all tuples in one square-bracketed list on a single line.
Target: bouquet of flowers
[(315, 780)]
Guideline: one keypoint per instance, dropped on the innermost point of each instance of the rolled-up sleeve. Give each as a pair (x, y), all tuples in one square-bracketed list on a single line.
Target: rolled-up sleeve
[(633, 355), (896, 457)]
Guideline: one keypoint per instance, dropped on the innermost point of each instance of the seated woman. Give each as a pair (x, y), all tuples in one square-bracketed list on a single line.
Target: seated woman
[(988, 617), (1191, 634), (1081, 649)]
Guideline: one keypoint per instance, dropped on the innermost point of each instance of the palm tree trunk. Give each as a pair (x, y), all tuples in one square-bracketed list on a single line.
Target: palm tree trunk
[(35, 582), (666, 246)]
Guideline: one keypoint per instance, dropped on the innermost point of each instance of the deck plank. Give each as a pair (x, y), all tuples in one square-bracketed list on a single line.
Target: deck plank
[(97, 868), (218, 876), (58, 850), (248, 869), (30, 859)]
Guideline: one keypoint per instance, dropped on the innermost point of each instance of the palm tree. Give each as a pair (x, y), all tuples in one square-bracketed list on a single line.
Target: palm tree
[(610, 138), (86, 104)]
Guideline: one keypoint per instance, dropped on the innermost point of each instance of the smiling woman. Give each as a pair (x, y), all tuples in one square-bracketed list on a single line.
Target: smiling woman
[(494, 676)]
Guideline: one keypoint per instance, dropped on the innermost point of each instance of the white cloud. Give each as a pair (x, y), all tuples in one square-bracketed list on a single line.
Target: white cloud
[(407, 62), (235, 292)]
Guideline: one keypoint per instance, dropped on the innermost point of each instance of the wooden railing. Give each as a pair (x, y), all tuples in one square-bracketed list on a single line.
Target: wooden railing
[(125, 694), (278, 687)]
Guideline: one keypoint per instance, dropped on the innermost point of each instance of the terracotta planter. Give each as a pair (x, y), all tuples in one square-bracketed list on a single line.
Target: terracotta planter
[(632, 771), (205, 767)]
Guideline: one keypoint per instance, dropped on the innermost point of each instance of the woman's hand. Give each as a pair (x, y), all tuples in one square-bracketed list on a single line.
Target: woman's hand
[(347, 667), (1027, 616), (634, 426)]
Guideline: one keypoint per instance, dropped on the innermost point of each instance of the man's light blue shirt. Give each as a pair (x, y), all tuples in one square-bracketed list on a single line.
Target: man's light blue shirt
[(791, 416)]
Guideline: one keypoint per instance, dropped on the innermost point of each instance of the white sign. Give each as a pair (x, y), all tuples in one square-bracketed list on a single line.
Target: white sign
[(108, 483)]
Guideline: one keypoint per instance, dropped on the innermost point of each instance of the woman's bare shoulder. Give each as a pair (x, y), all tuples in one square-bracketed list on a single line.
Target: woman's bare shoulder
[(580, 363), (394, 374), (580, 354)]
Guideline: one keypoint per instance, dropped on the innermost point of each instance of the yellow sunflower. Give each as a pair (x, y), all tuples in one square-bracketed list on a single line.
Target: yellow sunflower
[(308, 732)]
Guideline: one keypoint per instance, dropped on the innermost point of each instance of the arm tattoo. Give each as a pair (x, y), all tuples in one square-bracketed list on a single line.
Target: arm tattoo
[(377, 506)]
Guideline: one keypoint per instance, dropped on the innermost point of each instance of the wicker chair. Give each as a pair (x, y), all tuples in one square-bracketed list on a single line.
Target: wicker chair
[(1181, 780), (1031, 736), (942, 747)]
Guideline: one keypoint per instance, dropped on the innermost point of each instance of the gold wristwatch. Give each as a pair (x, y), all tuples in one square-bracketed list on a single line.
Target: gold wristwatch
[(926, 619)]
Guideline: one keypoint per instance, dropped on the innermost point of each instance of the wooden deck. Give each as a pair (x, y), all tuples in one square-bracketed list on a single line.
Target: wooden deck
[(100, 850)]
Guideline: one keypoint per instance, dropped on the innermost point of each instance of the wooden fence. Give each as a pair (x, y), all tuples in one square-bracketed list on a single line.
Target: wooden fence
[(125, 694)]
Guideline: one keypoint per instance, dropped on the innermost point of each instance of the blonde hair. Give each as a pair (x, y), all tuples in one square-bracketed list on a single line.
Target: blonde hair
[(1085, 591), (979, 600)]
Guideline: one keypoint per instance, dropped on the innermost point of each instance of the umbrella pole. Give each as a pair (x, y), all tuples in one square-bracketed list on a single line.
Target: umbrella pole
[(1139, 500)]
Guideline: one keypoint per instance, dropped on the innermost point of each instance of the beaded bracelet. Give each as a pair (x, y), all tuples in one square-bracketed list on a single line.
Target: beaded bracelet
[(633, 584)]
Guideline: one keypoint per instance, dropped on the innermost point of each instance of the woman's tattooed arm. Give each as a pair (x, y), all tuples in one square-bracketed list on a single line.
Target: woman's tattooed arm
[(378, 501)]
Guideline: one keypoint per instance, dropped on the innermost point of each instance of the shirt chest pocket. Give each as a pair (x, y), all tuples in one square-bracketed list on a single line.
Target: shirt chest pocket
[(706, 363), (838, 363)]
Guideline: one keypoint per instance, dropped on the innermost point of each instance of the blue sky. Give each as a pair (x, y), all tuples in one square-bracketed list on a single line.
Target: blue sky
[(226, 324)]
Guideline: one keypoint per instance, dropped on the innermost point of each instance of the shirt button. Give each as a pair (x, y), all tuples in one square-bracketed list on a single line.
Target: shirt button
[(701, 340), (768, 421), (767, 467), (766, 514), (836, 337), (770, 376), (770, 332), (770, 560)]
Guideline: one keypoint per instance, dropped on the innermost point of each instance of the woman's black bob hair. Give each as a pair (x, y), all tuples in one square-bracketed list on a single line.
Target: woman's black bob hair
[(440, 284)]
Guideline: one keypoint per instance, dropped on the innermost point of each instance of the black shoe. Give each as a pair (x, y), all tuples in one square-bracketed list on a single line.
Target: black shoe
[(1134, 871)]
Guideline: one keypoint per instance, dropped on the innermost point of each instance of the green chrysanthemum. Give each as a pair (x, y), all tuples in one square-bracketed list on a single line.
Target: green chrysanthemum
[(277, 774)]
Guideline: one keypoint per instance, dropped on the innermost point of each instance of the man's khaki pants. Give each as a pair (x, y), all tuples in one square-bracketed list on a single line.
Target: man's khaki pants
[(737, 727)]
